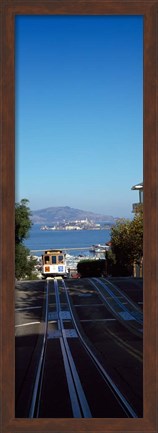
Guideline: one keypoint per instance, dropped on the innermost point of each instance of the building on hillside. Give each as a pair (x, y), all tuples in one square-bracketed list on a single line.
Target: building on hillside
[(139, 188)]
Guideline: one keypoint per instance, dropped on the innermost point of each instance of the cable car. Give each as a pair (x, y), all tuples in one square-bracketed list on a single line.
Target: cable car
[(54, 263)]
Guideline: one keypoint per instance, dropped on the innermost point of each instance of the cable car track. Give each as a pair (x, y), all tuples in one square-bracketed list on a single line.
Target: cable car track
[(70, 381), (130, 315), (79, 403), (77, 395), (119, 349), (127, 407)]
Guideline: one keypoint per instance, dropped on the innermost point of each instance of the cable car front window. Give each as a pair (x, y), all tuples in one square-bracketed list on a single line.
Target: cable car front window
[(54, 260), (46, 259), (60, 259)]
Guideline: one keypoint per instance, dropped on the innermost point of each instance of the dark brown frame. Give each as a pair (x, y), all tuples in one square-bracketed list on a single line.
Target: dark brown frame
[(149, 9)]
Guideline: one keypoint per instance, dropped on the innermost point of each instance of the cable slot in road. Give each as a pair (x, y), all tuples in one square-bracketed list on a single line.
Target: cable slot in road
[(79, 402), (123, 313), (122, 401)]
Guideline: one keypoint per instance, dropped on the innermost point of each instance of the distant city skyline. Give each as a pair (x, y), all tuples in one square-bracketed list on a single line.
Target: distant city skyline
[(79, 111)]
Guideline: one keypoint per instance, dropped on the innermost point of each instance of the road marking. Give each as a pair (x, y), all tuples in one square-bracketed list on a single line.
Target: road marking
[(27, 324), (97, 320), (52, 321), (89, 305), (26, 308)]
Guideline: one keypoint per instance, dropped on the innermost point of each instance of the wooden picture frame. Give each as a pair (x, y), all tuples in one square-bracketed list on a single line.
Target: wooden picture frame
[(149, 10)]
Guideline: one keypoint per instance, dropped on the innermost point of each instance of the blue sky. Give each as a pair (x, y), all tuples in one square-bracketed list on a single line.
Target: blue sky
[(79, 111)]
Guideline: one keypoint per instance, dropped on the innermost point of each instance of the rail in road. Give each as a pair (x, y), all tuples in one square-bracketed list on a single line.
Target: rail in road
[(121, 306), (107, 379), (76, 375), (118, 347), (73, 351)]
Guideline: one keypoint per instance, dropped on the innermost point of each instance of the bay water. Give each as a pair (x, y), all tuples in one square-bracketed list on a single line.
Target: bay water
[(71, 241)]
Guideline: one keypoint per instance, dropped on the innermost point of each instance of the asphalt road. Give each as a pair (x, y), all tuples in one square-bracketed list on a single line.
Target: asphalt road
[(29, 301), (119, 350)]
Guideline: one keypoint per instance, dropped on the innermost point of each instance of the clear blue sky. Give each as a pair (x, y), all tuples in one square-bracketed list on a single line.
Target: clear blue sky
[(79, 111)]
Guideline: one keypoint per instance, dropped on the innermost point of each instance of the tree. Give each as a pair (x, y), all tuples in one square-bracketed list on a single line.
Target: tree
[(126, 245), (22, 221), (137, 236), (23, 266), (91, 268)]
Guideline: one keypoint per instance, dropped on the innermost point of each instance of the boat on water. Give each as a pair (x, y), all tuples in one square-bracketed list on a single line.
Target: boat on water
[(98, 248)]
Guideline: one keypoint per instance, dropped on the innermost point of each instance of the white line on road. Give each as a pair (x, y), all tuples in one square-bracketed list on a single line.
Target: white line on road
[(97, 320), (26, 324), (26, 308)]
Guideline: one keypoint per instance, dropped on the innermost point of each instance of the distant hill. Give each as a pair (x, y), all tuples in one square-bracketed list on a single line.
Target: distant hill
[(52, 215)]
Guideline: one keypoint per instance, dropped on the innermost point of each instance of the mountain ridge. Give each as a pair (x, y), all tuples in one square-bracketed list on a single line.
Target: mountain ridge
[(54, 214)]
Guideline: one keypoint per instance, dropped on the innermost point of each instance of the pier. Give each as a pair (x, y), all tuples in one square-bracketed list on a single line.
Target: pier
[(63, 249)]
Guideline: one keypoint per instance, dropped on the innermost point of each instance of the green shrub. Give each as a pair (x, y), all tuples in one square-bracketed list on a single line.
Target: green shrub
[(91, 268)]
